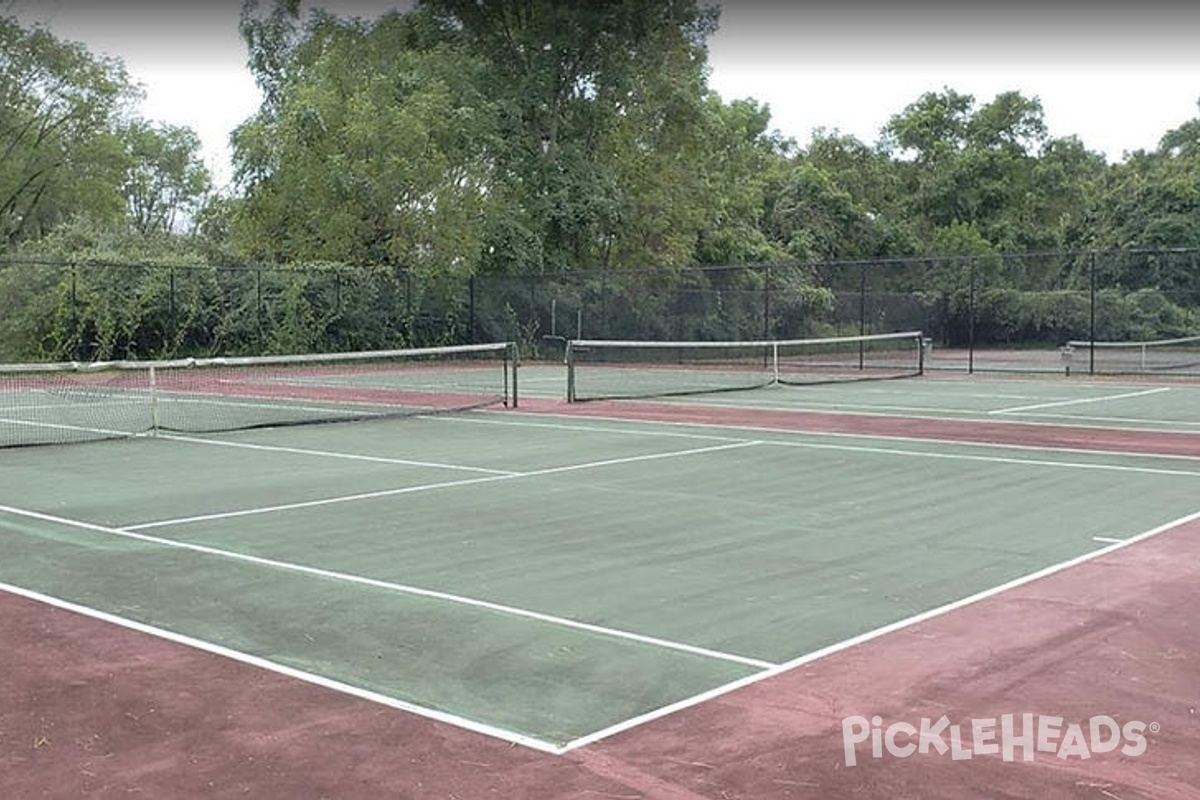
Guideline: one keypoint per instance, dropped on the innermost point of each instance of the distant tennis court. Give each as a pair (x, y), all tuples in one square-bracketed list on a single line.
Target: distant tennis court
[(551, 575)]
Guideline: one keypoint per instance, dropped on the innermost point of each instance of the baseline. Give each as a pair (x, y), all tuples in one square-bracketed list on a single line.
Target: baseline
[(282, 669), (401, 588), (884, 630)]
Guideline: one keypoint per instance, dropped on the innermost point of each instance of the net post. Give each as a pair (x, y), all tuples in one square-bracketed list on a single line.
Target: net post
[(154, 425), (514, 353), (1092, 312), (569, 357), (774, 363), (921, 340)]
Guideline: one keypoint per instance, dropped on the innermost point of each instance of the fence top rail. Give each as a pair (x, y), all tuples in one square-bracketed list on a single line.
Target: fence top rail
[(337, 267)]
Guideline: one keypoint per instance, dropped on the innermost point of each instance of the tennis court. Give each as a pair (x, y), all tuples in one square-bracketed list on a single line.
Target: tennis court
[(555, 575), (1102, 404)]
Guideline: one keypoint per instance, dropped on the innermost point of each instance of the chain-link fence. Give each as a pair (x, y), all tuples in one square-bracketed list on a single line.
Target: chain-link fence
[(980, 313)]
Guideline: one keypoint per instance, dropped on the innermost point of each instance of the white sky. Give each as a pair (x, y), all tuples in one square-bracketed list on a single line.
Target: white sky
[(1117, 78)]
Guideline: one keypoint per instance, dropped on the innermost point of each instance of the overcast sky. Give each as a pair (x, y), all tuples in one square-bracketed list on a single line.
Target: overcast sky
[(1117, 77)]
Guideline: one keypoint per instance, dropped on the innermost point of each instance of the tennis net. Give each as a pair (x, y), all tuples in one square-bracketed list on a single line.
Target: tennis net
[(69, 402), (1160, 355), (611, 369)]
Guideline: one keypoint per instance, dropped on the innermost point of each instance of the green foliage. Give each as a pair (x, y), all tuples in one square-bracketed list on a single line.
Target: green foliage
[(166, 182), (818, 220), (798, 307), (992, 167), (28, 298), (933, 127), (499, 136), (961, 239), (743, 163), (1050, 318), (373, 151), (110, 297), (59, 151), (1153, 201)]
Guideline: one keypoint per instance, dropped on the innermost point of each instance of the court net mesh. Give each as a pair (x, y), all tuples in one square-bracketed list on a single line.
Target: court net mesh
[(610, 369), (1161, 355), (59, 403)]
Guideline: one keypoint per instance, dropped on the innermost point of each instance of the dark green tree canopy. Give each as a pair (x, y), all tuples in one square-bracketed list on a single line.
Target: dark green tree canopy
[(59, 153)]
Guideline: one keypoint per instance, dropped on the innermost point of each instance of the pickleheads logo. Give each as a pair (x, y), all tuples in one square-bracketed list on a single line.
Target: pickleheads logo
[(1008, 735)]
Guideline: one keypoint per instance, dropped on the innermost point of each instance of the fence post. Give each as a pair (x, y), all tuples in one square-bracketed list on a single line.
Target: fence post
[(862, 299), (766, 326), (862, 314), (409, 322), (258, 307), (77, 346), (173, 315), (971, 315), (1092, 312), (471, 310)]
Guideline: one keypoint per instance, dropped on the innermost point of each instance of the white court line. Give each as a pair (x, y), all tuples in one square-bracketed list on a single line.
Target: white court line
[(1080, 401), (525, 381), (1120, 420), (940, 415), (846, 644), (291, 672), (1033, 462), (935, 413), (795, 439), (327, 501), (827, 407), (806, 434), (1107, 540), (332, 454), (649, 457), (400, 588), (58, 426), (563, 426)]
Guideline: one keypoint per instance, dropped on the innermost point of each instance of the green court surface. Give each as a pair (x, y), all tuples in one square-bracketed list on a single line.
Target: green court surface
[(549, 579), (1104, 403)]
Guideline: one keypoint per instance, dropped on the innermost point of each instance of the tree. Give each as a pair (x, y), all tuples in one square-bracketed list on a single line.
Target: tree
[(1153, 198), (505, 135), (819, 221), (744, 163), (932, 128), (371, 148), (1053, 213), (599, 108), (875, 185), (1182, 142), (1152, 201), (59, 154), (166, 182), (994, 168)]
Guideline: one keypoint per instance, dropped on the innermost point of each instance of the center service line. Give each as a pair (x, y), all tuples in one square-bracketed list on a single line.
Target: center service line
[(1079, 401)]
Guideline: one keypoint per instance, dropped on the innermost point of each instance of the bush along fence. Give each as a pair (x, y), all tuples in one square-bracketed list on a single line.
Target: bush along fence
[(1010, 311)]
